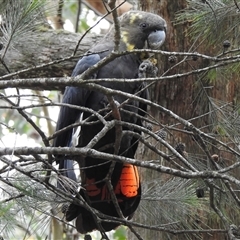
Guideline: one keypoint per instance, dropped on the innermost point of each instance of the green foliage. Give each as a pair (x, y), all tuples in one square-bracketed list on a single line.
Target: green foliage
[(171, 202), (214, 28), (27, 212), (70, 10), (213, 21), (83, 26), (225, 118), (120, 233), (4, 208), (19, 18)]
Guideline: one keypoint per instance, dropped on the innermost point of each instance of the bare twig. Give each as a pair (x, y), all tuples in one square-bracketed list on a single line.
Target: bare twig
[(96, 154)]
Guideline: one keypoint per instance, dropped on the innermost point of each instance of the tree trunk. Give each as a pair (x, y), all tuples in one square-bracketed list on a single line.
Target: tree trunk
[(50, 46), (177, 95)]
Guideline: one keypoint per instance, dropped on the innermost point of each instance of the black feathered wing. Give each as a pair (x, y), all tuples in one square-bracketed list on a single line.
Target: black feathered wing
[(96, 192), (69, 115)]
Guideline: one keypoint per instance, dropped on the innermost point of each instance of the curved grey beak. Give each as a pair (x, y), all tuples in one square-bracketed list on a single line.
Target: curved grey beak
[(156, 39)]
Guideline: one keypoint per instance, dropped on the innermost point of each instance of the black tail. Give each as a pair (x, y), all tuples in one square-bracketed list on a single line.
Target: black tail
[(67, 181)]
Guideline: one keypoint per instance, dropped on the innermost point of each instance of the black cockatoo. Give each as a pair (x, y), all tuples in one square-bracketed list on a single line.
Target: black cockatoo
[(138, 30)]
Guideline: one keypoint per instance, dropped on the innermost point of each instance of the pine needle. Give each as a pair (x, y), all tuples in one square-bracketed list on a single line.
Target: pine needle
[(19, 19)]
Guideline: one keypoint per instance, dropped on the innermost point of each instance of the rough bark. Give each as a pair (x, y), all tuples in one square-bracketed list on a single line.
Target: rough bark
[(177, 95), (50, 46)]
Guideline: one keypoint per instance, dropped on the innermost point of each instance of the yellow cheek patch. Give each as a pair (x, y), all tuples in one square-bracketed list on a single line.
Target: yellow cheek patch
[(125, 39), (129, 46), (135, 16)]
